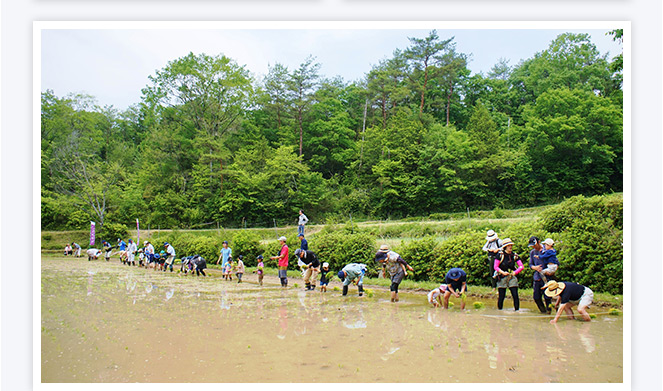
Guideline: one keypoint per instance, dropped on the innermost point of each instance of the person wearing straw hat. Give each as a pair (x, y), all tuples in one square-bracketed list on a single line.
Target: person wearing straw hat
[(282, 262), (492, 247), (507, 266), (395, 265), (567, 295)]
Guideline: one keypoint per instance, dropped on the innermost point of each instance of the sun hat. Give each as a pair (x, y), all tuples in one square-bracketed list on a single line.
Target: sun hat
[(384, 248), (549, 242), (454, 273), (301, 235), (553, 288), (491, 235), (259, 256), (533, 241), (507, 242), (443, 287), (282, 239), (325, 264), (298, 251), (341, 275), (165, 244)]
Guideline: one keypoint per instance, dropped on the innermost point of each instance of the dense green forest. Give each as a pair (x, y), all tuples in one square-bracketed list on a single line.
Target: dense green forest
[(209, 143)]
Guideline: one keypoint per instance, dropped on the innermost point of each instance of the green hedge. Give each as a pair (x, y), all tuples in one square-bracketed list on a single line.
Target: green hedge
[(341, 246)]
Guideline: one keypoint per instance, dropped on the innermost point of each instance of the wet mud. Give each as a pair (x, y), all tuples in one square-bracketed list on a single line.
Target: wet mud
[(105, 322)]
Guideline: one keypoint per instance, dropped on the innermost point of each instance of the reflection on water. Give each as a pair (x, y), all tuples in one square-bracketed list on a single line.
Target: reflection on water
[(133, 322)]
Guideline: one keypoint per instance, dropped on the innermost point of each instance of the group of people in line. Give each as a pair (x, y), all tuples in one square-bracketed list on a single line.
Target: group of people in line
[(504, 266)]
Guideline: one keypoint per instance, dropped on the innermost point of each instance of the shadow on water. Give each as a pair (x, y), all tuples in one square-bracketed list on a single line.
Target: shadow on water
[(104, 322)]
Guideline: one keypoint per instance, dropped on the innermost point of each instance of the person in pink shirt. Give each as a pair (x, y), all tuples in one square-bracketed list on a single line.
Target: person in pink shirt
[(507, 265), (283, 262)]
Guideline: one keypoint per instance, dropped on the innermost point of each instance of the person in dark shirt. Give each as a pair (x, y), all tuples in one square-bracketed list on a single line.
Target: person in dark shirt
[(539, 278), (304, 243), (324, 277), (569, 294), (456, 280), (310, 260)]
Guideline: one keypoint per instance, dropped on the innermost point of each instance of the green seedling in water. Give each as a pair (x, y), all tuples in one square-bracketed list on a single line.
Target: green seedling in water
[(336, 289), (478, 305), (296, 285), (592, 316), (451, 305), (614, 311)]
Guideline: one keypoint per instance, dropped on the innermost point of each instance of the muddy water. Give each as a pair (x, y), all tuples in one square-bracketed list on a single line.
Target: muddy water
[(104, 322)]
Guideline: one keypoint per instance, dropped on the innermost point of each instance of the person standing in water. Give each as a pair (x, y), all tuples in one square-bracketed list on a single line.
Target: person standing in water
[(395, 265), (507, 266), (239, 272), (351, 272), (282, 262), (539, 279), (492, 247), (568, 294), (260, 269)]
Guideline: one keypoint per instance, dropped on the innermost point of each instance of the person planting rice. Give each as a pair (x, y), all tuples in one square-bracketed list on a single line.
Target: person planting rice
[(170, 257), (239, 272), (67, 249), (351, 272), (199, 265), (395, 265), (131, 253), (122, 250), (324, 277), (506, 269), (282, 262), (260, 269), (492, 247), (435, 296), (108, 250), (310, 260), (149, 254), (456, 280), (77, 249), (567, 295), (539, 277), (93, 253)]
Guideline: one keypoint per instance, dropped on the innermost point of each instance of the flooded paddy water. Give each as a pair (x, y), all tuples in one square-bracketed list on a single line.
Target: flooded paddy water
[(106, 322)]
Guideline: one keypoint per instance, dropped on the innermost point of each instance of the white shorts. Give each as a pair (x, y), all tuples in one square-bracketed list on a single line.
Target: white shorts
[(586, 299)]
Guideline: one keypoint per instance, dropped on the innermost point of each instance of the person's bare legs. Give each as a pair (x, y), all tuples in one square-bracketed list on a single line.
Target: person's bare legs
[(446, 299), (583, 312)]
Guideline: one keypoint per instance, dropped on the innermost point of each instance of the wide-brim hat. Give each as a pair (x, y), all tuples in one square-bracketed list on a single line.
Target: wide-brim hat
[(454, 274), (553, 288), (507, 242), (491, 235), (282, 239), (384, 248)]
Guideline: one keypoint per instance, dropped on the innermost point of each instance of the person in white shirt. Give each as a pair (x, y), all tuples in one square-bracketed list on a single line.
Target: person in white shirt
[(302, 221), (170, 251), (93, 253), (131, 253)]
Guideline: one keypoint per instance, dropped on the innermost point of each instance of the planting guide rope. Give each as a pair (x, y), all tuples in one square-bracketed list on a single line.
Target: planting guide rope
[(538, 316)]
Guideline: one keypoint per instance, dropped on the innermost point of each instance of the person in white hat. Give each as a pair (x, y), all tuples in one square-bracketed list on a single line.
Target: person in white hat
[(492, 247), (282, 262), (569, 294), (507, 267)]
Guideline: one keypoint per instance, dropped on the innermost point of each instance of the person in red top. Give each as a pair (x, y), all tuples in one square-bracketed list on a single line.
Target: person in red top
[(283, 262)]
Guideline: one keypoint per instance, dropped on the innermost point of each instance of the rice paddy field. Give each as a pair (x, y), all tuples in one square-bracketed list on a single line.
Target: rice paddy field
[(104, 322)]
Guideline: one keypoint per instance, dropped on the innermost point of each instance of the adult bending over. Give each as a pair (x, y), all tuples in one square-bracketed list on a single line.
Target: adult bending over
[(395, 265), (569, 294)]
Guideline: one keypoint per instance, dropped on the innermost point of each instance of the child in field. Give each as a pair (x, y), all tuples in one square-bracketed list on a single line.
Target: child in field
[(260, 270), (239, 271), (229, 269), (324, 278), (549, 258), (435, 296)]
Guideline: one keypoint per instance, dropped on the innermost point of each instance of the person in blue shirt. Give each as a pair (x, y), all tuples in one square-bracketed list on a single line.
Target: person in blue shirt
[(456, 280), (226, 252), (304, 243), (539, 279), (351, 272)]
